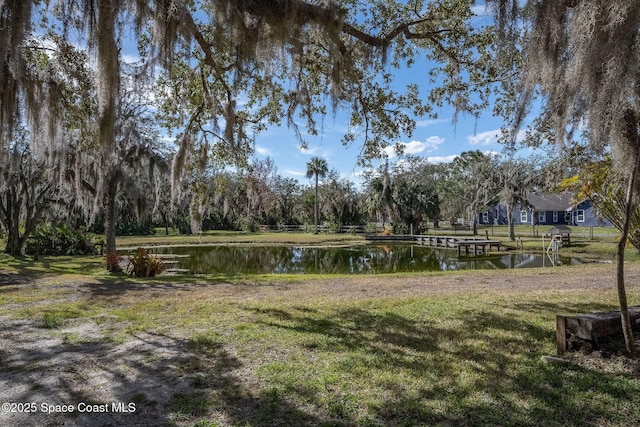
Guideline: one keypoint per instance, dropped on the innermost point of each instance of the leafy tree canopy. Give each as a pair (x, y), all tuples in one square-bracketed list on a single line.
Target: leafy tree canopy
[(286, 58)]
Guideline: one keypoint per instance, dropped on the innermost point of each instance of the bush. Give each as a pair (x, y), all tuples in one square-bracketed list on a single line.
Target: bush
[(397, 228), (216, 221), (182, 222), (249, 224), (131, 227), (60, 240), (371, 228), (143, 264)]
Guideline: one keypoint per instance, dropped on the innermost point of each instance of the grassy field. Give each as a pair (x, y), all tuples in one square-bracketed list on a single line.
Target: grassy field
[(450, 349), (221, 237)]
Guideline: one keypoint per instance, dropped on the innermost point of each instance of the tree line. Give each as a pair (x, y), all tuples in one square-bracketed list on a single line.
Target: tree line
[(405, 196)]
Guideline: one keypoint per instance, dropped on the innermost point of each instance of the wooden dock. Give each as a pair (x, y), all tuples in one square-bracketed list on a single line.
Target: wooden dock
[(468, 244)]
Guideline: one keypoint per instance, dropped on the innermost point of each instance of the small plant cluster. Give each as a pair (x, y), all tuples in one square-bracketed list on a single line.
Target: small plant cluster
[(144, 264), (58, 240), (52, 320)]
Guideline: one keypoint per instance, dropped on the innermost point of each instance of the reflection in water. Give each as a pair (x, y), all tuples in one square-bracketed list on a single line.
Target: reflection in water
[(366, 259)]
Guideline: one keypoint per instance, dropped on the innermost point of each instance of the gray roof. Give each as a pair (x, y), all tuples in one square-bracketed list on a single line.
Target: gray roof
[(559, 229), (552, 202)]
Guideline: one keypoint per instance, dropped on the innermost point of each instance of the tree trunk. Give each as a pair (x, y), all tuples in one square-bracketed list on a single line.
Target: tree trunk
[(12, 226), (622, 293), (475, 221), (108, 75), (110, 226), (12, 213), (512, 229), (108, 79), (315, 205), (14, 241), (166, 223)]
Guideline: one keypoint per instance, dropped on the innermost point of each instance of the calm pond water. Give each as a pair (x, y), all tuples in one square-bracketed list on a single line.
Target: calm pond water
[(365, 259)]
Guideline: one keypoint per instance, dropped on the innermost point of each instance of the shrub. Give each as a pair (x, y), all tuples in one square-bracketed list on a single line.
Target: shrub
[(60, 240), (398, 228), (217, 221), (371, 228), (182, 222), (249, 224), (131, 227), (144, 264)]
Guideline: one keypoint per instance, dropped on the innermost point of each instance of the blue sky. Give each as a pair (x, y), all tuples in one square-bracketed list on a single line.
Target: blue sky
[(436, 140)]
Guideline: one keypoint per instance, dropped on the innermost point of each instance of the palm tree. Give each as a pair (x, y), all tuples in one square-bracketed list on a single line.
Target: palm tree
[(318, 167)]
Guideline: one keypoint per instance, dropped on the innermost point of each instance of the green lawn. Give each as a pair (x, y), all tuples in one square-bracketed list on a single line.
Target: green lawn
[(330, 351), (220, 237)]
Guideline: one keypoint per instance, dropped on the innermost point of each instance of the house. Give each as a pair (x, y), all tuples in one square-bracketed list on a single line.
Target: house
[(495, 215), (549, 209)]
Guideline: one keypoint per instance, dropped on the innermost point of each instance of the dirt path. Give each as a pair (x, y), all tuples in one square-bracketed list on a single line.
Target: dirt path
[(132, 383)]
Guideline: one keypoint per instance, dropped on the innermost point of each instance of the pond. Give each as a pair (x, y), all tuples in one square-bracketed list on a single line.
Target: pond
[(361, 259)]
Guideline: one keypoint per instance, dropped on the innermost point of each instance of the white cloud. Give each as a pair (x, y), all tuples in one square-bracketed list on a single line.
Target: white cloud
[(433, 142), (316, 152), (263, 151), (440, 159), (485, 138), (312, 151), (167, 139), (131, 58), (426, 123), (293, 172), (521, 135), (414, 147), (491, 137), (491, 153), (390, 151)]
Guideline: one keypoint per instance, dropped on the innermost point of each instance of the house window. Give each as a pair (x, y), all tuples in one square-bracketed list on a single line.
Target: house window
[(542, 216), (485, 218), (523, 216), (555, 216), (568, 216), (580, 215)]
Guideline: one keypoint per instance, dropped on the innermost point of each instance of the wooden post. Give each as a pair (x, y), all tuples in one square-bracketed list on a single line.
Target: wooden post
[(561, 334)]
